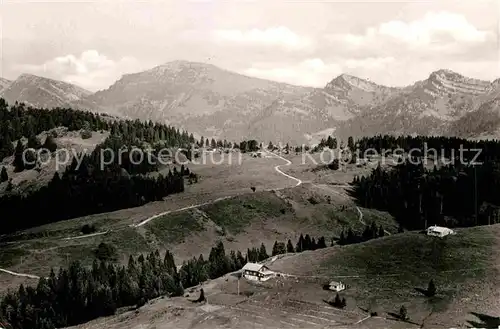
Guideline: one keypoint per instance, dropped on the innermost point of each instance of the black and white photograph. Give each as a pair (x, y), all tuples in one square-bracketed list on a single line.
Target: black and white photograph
[(249, 164)]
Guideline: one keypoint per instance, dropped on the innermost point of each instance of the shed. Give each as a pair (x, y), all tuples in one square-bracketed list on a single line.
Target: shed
[(439, 231), (336, 286)]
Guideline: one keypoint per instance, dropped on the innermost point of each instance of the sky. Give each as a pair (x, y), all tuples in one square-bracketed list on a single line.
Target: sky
[(395, 43)]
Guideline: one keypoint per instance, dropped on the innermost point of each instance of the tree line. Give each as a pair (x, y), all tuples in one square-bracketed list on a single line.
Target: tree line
[(448, 147), (85, 189), (95, 182), (19, 120), (455, 194), (79, 294), (370, 232)]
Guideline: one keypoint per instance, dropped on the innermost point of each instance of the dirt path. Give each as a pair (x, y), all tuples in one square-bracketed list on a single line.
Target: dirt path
[(345, 196), (86, 235), (20, 274), (147, 220), (277, 168), (177, 210), (342, 195), (288, 163)]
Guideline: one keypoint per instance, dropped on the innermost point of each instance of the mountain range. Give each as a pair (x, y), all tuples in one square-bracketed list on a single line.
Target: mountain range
[(212, 102)]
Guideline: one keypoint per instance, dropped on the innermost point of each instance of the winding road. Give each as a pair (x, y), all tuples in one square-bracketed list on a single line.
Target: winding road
[(288, 163)]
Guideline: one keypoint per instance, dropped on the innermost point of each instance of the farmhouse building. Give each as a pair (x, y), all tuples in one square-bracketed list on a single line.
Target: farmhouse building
[(336, 286), (256, 272), (439, 231)]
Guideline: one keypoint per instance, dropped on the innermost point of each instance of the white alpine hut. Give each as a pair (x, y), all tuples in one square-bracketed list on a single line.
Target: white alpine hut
[(439, 231), (256, 272)]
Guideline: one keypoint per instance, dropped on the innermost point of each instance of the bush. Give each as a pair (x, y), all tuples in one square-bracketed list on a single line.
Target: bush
[(50, 144), (334, 165), (141, 303), (106, 252), (431, 289), (88, 229), (312, 200), (86, 134), (403, 313)]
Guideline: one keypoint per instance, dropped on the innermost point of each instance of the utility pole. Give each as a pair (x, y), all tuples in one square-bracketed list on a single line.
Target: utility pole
[(475, 193)]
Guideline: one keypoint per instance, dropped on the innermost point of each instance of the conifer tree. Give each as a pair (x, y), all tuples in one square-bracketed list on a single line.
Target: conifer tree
[(337, 302), (3, 175), (18, 157), (289, 246), (431, 288), (275, 249), (33, 142), (300, 244), (321, 243), (403, 313), (50, 144), (262, 252)]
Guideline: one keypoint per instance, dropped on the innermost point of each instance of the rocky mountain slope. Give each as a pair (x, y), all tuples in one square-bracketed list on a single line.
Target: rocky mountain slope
[(177, 92), (438, 105), (214, 102), (4, 83), (42, 92)]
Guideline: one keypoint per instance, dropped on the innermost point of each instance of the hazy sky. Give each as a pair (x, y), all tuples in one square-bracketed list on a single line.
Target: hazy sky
[(301, 42)]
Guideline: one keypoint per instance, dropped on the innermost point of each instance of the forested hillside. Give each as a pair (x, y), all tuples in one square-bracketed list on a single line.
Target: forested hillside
[(89, 185), (462, 191), (79, 294)]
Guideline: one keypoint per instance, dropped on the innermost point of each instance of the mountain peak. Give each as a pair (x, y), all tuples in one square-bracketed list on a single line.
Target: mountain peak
[(181, 64), (4, 83), (447, 81), (446, 73), (41, 91), (348, 82), (28, 76)]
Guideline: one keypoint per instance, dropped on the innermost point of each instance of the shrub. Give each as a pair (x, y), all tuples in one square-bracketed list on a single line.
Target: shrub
[(50, 144), (431, 289), (141, 303), (403, 313), (106, 252), (88, 229), (312, 200), (86, 134), (334, 165)]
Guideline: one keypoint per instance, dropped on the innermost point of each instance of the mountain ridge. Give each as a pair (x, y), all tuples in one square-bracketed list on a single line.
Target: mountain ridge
[(43, 92), (216, 102)]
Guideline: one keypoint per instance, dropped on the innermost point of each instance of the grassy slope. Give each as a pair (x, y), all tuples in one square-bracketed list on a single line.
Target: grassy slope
[(390, 270), (241, 222), (244, 221)]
